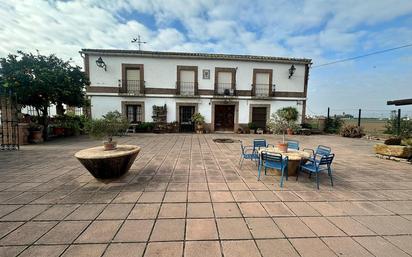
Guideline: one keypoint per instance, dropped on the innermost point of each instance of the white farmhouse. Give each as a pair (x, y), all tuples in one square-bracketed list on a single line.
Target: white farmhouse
[(228, 90)]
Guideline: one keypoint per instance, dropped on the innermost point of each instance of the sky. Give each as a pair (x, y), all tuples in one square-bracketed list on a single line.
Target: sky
[(323, 30)]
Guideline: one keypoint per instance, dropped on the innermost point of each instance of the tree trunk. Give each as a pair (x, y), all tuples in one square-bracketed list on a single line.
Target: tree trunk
[(60, 109), (45, 122)]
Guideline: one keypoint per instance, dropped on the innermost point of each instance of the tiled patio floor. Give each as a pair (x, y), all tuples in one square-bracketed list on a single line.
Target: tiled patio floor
[(186, 196)]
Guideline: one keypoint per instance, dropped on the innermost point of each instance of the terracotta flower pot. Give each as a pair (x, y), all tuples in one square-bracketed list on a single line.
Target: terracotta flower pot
[(36, 136), (109, 145), (283, 147)]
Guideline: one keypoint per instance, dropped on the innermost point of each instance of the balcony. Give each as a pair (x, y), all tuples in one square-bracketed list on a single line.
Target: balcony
[(262, 90), (225, 89), (186, 88), (131, 87)]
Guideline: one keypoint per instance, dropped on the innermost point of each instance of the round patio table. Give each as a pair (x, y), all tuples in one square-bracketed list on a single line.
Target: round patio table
[(294, 158), (108, 164)]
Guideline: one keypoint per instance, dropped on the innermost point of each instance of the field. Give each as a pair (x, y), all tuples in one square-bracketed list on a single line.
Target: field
[(370, 125)]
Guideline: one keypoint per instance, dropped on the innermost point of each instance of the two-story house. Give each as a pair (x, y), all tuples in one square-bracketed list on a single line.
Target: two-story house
[(228, 90)]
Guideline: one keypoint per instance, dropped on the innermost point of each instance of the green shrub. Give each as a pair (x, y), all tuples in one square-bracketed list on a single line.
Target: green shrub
[(405, 128), (252, 126), (352, 131), (333, 125), (112, 124)]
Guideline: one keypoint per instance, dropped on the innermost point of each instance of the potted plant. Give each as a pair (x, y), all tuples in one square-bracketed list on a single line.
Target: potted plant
[(199, 120), (252, 127), (36, 132), (112, 124), (291, 115)]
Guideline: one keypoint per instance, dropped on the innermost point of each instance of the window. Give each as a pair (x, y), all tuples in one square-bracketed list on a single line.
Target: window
[(134, 113), (225, 81), (186, 83), (262, 82), (132, 79)]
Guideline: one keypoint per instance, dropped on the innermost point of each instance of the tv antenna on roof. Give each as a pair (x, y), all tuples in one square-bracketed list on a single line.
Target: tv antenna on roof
[(138, 41)]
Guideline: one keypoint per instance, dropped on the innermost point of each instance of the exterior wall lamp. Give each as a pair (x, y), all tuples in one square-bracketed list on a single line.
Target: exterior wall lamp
[(291, 70), (101, 64)]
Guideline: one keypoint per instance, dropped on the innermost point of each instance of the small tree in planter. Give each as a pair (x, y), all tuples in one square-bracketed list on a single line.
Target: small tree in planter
[(278, 125), (291, 115), (112, 124), (199, 120)]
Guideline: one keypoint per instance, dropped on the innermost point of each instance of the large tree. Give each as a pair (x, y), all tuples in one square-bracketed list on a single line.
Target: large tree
[(40, 81)]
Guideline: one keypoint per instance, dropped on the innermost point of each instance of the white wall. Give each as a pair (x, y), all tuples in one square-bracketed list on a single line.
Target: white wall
[(161, 72), (103, 104)]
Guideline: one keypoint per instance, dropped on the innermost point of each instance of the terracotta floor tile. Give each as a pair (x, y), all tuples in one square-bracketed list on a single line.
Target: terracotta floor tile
[(43, 250), (164, 249), (244, 196), (233, 228), (276, 248), (351, 226), (172, 210), (345, 246), (134, 231), (322, 227), (403, 242), (201, 229), (221, 197), (277, 209), (293, 227), (254, 209), (379, 246), (199, 210), (115, 211), (125, 250), (198, 197), (244, 248), (309, 247), (199, 248), (27, 233), (228, 210), (168, 230), (64, 233), (99, 232), (263, 228), (144, 211), (86, 250), (86, 212)]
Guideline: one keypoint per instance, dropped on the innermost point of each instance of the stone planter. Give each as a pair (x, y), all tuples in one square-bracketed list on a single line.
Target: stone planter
[(108, 164), (394, 150)]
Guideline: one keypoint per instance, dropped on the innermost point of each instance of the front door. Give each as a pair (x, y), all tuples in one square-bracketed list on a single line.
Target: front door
[(224, 117), (185, 118), (259, 117)]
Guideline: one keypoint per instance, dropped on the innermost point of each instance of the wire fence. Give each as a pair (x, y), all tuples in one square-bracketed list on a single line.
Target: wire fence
[(373, 121)]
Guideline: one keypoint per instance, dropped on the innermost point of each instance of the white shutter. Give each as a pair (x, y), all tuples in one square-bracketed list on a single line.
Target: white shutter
[(262, 78), (187, 76), (224, 77), (132, 74)]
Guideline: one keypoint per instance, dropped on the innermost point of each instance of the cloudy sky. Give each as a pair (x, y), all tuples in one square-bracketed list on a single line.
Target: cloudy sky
[(319, 29)]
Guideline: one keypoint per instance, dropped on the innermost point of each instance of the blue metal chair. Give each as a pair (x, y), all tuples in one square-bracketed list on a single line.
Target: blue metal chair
[(273, 161), (317, 166), (293, 144), (258, 143), (321, 150), (248, 153)]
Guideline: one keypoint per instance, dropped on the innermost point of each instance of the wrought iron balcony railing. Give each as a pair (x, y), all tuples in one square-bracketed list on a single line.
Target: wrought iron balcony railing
[(132, 87), (262, 90), (225, 89), (187, 88)]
